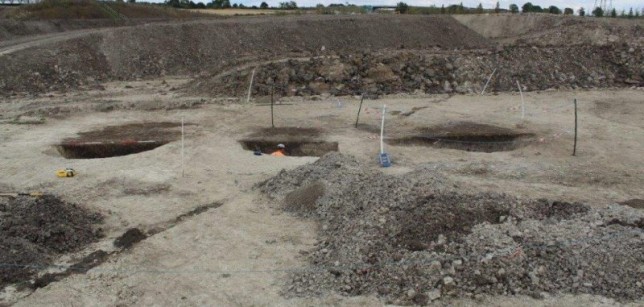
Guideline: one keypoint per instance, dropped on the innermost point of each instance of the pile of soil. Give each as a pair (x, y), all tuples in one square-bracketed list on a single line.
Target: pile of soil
[(34, 230), (548, 29), (415, 238), (536, 68), (192, 48)]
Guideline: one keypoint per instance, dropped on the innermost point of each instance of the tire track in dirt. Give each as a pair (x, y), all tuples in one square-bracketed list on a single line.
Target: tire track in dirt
[(12, 46)]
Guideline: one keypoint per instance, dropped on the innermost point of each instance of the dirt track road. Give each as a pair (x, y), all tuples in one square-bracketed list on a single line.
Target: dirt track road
[(11, 46)]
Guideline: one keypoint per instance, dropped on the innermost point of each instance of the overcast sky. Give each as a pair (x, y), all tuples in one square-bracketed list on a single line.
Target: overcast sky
[(587, 4)]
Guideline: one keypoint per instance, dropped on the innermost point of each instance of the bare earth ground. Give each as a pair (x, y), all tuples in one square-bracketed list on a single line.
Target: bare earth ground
[(238, 254)]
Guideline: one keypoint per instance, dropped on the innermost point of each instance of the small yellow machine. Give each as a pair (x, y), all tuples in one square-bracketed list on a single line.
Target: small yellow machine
[(68, 172)]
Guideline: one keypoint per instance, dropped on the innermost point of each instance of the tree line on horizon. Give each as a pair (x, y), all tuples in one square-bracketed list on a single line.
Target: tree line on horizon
[(403, 8), (528, 7), (226, 4)]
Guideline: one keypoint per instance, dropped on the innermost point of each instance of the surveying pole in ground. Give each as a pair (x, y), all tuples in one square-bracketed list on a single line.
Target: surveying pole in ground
[(385, 161), (359, 108), (522, 102), (182, 156), (272, 92), (382, 129), (250, 86), (488, 81), (574, 148)]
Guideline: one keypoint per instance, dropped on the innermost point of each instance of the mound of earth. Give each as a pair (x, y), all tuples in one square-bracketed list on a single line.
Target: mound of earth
[(92, 9), (34, 230), (413, 239), (216, 45), (437, 72), (549, 29)]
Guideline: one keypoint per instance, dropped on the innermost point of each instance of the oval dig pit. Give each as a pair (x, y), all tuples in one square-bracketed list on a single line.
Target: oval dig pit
[(299, 142), (114, 141), (467, 136)]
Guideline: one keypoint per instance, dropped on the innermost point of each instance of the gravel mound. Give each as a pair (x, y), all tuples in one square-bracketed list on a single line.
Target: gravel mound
[(33, 230), (536, 68), (548, 29), (414, 239), (199, 47)]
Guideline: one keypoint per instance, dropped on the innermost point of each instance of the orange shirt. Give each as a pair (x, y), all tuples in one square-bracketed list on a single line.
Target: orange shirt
[(278, 153)]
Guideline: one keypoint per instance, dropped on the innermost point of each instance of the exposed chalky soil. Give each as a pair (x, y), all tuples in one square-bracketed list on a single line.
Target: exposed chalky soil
[(413, 239), (34, 230)]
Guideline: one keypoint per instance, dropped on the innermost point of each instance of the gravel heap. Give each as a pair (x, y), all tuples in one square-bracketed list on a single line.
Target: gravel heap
[(33, 230), (415, 238), (158, 50), (536, 68)]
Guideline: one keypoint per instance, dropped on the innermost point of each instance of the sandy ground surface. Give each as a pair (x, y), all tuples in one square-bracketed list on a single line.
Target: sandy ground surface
[(238, 254)]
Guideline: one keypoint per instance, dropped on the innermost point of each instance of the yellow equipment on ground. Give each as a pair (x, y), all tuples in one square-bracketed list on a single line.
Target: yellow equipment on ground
[(68, 172)]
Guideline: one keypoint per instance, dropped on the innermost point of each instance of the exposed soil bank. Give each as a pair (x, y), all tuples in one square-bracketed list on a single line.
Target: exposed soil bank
[(182, 49), (536, 68)]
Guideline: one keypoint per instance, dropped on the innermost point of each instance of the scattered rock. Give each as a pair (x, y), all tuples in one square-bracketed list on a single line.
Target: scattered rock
[(376, 223)]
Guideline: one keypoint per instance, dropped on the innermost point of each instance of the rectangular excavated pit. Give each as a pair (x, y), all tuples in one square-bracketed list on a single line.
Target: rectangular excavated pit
[(293, 148), (95, 150)]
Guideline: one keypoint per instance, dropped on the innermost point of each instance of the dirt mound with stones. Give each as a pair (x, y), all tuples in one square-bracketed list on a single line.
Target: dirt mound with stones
[(548, 29), (438, 72), (34, 230), (412, 239), (210, 46)]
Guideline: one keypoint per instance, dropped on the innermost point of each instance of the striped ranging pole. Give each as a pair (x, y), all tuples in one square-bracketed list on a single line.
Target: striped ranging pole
[(522, 102), (359, 108), (182, 155), (574, 148), (488, 81), (250, 86), (272, 103)]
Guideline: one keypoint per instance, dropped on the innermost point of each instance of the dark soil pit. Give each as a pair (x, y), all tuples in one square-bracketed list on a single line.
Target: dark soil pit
[(95, 150), (467, 136), (299, 142), (114, 141)]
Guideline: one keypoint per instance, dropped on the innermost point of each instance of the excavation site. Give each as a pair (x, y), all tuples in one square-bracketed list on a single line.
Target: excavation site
[(296, 154), (114, 141), (466, 136), (298, 142)]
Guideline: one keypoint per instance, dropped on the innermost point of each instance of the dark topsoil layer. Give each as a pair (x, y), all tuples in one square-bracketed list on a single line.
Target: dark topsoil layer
[(416, 238), (35, 230)]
